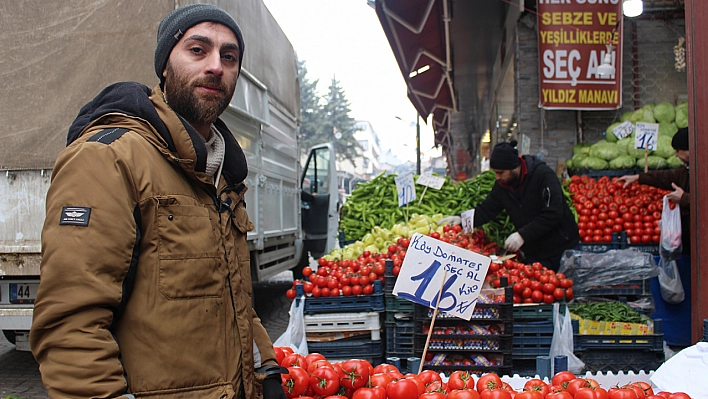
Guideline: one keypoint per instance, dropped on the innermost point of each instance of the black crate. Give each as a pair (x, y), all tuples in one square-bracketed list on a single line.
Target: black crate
[(618, 242), (339, 304), (349, 348), (396, 304), (634, 287), (532, 339), (503, 362), (465, 343), (482, 311), (396, 317), (616, 360), (535, 312), (653, 342)]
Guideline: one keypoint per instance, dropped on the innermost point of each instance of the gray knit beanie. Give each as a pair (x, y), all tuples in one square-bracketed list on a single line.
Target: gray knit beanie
[(174, 25)]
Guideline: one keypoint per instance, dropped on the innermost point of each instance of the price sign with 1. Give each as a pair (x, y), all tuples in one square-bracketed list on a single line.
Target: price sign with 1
[(467, 221), (428, 261), (623, 130), (647, 134), (431, 181), (405, 188)]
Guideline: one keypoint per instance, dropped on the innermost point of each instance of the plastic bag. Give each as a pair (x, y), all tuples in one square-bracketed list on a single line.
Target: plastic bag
[(294, 336), (562, 342), (617, 266), (670, 243), (670, 282), (685, 372)]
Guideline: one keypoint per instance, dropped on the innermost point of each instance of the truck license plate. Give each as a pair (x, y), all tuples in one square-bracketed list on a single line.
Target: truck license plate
[(23, 292)]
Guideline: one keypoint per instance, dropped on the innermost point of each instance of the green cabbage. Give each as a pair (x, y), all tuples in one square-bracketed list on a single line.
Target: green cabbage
[(644, 114), (682, 115), (626, 116), (664, 112), (604, 150), (593, 163), (663, 147), (674, 162), (581, 148), (578, 159), (609, 135), (653, 161), (622, 162), (667, 129), (569, 164)]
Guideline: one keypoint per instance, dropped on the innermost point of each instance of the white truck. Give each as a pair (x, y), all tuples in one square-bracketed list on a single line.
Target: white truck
[(57, 55)]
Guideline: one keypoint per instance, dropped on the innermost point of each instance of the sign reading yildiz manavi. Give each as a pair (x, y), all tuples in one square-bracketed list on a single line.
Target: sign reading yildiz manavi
[(572, 42)]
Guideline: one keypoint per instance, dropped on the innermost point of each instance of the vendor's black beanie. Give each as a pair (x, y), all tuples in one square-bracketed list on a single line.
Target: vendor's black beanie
[(176, 23), (680, 140), (505, 156)]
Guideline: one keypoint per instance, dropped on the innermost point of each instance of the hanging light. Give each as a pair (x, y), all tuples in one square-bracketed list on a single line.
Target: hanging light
[(632, 8)]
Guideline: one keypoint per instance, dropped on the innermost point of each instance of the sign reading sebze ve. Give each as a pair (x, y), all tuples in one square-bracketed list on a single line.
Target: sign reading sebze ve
[(572, 35), (427, 262)]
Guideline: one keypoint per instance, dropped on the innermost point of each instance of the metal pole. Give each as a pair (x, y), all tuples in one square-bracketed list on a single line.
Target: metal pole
[(417, 144)]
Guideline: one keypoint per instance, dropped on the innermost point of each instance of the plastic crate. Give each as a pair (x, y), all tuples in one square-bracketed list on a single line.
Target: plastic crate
[(396, 317), (648, 248), (350, 348), (635, 287), (389, 283), (654, 342), (482, 311), (617, 360), (465, 343), (336, 322), (535, 312), (503, 360), (341, 304), (400, 338), (532, 339), (396, 304), (596, 174), (618, 242)]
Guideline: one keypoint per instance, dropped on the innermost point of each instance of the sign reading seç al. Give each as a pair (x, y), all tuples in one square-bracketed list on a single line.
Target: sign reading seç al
[(572, 42)]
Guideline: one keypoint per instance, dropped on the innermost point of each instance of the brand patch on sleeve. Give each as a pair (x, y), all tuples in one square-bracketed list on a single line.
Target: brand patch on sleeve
[(75, 216)]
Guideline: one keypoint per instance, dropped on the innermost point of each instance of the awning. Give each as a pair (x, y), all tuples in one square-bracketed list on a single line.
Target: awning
[(419, 36)]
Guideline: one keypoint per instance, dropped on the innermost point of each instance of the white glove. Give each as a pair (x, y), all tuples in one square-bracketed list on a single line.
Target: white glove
[(451, 220), (514, 242)]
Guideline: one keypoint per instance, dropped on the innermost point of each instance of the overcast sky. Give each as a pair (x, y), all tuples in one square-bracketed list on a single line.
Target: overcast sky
[(344, 39)]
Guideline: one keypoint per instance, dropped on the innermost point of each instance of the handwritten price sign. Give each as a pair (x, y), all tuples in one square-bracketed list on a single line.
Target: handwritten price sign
[(623, 130), (467, 221), (431, 181), (427, 262), (405, 188), (646, 136)]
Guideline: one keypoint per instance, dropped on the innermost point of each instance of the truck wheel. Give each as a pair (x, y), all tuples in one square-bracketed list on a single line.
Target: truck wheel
[(9, 335)]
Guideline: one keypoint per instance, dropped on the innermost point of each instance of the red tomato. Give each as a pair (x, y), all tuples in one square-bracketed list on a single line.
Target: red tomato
[(561, 378), (317, 364), (460, 380), (402, 389), (279, 354), (290, 294), (537, 385), (495, 394), (367, 393), (621, 393), (368, 289), (559, 395), (380, 379), (354, 374), (463, 394), (428, 376), (679, 395), (295, 382), (433, 395), (529, 395), (356, 289), (537, 296), (324, 381), (488, 381), (294, 360)]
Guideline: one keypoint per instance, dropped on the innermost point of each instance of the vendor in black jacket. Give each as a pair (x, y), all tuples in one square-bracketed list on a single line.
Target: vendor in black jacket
[(531, 194)]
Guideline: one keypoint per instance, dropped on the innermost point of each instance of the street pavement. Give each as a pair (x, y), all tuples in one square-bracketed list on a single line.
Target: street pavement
[(19, 372)]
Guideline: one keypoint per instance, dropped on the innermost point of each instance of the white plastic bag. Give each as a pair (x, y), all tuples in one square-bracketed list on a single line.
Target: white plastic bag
[(670, 247), (685, 372), (562, 342), (670, 282), (294, 336)]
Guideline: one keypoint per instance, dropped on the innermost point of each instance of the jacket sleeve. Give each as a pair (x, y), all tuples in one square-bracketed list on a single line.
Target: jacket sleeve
[(662, 179), (263, 345), (489, 208), (82, 272), (550, 196)]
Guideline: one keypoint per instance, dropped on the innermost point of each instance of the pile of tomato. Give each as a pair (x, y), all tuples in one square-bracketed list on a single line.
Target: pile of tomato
[(348, 277), (532, 283), (605, 207), (314, 377)]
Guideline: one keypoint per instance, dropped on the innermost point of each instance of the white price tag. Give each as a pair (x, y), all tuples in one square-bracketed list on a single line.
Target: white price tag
[(405, 188), (623, 130), (467, 221), (647, 134), (427, 262), (431, 181)]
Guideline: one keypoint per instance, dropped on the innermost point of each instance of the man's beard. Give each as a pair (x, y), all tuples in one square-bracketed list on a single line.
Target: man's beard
[(179, 93)]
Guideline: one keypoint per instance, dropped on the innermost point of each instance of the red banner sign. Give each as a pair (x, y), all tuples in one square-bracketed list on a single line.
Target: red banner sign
[(574, 72)]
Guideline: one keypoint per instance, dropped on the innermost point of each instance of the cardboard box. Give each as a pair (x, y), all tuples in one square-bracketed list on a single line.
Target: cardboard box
[(592, 327)]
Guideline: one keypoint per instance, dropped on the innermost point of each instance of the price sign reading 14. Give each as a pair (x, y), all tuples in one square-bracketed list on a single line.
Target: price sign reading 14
[(405, 188), (646, 136), (427, 262)]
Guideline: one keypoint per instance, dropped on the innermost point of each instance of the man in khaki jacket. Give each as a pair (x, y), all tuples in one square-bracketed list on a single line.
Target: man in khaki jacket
[(145, 277)]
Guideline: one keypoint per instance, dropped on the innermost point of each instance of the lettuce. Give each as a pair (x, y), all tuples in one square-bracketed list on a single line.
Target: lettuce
[(664, 112)]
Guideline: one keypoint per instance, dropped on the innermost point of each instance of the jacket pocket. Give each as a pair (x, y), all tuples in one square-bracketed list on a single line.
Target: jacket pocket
[(189, 251)]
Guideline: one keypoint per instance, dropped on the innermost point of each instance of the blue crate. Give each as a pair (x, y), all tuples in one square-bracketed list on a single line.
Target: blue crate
[(340, 304), (535, 312), (617, 360), (400, 338), (618, 242), (350, 348), (532, 339), (654, 342)]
